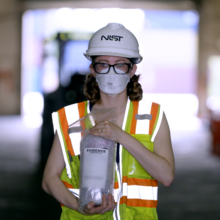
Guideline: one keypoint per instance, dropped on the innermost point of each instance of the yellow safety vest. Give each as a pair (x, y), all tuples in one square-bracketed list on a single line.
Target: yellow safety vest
[(135, 190)]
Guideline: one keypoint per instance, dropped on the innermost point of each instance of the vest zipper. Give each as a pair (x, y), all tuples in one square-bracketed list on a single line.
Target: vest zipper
[(119, 165)]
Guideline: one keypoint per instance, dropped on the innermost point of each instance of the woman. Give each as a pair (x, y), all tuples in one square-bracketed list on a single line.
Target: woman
[(144, 150)]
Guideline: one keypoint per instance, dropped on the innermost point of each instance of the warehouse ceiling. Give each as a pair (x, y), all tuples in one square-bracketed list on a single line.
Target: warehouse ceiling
[(172, 4), (197, 2)]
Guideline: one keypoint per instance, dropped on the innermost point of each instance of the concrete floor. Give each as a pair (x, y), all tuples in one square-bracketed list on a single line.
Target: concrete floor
[(194, 194)]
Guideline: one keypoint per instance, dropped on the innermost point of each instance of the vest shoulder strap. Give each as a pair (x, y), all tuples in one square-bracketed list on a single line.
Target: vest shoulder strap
[(146, 118), (62, 119)]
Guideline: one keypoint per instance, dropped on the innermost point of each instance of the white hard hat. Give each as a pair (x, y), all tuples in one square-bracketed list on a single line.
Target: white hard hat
[(114, 40)]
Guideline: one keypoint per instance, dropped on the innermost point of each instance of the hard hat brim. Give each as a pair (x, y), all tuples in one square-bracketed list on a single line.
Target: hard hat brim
[(112, 52)]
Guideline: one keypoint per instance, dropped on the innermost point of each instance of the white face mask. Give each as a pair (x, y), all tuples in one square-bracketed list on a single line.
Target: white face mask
[(112, 83)]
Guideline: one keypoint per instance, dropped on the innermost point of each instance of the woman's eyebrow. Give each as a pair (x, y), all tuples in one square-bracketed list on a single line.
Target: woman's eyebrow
[(120, 60), (103, 61)]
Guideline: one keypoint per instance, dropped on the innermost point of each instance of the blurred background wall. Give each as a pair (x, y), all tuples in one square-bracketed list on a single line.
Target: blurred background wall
[(10, 57), (11, 12)]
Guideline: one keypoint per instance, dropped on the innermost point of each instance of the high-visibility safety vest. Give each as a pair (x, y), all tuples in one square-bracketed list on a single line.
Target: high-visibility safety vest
[(135, 190)]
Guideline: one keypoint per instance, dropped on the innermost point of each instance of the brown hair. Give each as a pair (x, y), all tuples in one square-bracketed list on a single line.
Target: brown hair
[(92, 92)]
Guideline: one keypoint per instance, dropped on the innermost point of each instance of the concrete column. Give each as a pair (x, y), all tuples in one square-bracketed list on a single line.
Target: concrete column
[(209, 44), (10, 53)]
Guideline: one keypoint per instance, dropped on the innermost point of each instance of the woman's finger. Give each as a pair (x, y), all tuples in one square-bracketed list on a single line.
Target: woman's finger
[(108, 204), (113, 203), (104, 201), (89, 208), (100, 125), (97, 128), (99, 209), (100, 128)]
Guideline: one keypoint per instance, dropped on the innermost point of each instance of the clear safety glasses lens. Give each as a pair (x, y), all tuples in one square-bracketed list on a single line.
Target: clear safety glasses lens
[(119, 68)]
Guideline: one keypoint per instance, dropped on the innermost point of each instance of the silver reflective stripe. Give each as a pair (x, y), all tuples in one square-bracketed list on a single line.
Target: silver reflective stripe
[(55, 119), (116, 214), (140, 192), (115, 191), (75, 192), (158, 124), (75, 140), (75, 129), (142, 117), (72, 113), (142, 126), (57, 127)]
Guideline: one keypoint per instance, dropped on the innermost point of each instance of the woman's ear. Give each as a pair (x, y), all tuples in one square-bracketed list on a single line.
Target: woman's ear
[(92, 70), (133, 70)]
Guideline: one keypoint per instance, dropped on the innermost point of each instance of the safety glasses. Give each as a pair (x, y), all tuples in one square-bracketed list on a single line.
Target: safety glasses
[(119, 68)]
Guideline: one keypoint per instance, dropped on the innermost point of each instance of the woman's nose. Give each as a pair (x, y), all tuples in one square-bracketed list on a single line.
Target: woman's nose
[(111, 71)]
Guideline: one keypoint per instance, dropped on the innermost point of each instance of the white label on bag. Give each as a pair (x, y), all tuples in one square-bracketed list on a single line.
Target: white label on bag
[(94, 171)]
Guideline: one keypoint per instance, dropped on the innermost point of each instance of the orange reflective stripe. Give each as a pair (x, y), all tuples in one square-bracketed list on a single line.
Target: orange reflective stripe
[(82, 108), (134, 121), (68, 185), (65, 126), (139, 182), (138, 202), (154, 110), (116, 186)]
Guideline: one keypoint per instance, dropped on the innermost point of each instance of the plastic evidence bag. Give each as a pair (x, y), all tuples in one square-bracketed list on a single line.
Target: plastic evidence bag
[(97, 158)]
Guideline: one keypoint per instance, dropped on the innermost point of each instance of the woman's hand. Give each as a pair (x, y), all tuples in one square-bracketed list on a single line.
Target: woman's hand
[(108, 204), (107, 130)]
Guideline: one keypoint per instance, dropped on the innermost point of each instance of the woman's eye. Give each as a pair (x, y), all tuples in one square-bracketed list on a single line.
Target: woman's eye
[(103, 64), (120, 65)]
